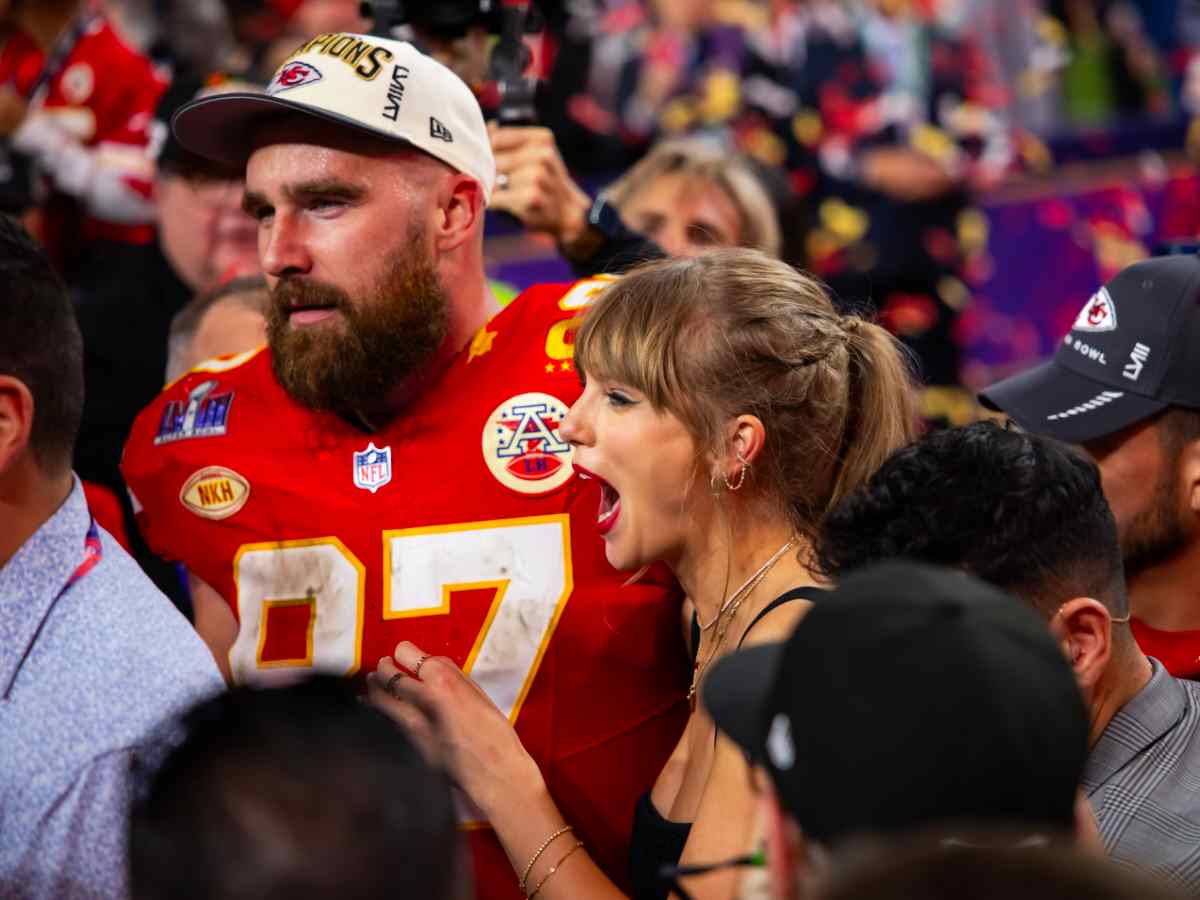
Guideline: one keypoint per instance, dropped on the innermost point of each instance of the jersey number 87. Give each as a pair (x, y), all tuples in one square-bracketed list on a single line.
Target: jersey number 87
[(526, 561)]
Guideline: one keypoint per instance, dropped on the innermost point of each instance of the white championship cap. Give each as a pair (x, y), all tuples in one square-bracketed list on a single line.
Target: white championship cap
[(386, 88)]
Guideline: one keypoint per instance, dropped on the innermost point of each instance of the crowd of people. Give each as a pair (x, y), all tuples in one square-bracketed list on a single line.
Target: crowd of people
[(652, 584)]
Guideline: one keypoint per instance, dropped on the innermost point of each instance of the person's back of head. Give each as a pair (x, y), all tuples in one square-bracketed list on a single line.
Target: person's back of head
[(228, 319), (1023, 512), (299, 792), (941, 869), (41, 357)]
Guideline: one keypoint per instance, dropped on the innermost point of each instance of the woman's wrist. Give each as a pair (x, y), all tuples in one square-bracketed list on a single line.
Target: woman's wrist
[(512, 792)]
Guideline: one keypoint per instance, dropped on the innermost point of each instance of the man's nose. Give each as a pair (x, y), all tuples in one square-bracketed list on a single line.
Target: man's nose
[(283, 249)]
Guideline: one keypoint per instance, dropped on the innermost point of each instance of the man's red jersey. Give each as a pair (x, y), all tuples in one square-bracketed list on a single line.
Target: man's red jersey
[(459, 526)]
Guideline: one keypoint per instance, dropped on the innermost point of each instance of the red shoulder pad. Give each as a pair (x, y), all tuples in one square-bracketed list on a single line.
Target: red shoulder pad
[(180, 434)]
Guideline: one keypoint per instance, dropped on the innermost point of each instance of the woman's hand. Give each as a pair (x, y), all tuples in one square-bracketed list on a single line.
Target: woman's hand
[(458, 723)]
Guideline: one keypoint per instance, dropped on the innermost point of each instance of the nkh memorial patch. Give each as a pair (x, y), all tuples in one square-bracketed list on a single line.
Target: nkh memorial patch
[(215, 492), (372, 467), (522, 447)]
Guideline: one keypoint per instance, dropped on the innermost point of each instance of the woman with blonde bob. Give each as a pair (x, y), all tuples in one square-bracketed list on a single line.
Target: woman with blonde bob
[(727, 407)]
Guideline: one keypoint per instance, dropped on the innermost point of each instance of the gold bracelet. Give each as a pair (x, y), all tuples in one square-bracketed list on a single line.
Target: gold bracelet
[(540, 850), (554, 868)]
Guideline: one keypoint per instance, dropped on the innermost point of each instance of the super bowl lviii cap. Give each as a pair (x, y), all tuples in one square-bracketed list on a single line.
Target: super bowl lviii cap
[(910, 697), (1133, 351), (382, 87)]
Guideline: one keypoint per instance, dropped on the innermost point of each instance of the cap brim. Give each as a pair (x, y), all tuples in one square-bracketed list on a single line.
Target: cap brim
[(1051, 399), (736, 691), (220, 127)]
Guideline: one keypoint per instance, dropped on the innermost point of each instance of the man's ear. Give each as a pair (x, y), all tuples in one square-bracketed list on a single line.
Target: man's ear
[(1189, 474), (460, 212), (1083, 628), (16, 420)]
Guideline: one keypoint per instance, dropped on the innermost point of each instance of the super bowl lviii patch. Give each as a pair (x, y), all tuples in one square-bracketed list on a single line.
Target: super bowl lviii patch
[(215, 492), (522, 447), (205, 413)]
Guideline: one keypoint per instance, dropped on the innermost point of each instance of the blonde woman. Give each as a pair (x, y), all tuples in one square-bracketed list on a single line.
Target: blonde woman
[(726, 407)]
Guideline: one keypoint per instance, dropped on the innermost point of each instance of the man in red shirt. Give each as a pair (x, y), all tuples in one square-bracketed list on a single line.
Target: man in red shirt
[(390, 467), (1125, 383)]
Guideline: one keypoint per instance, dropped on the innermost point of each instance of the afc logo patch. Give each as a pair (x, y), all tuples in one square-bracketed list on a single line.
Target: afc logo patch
[(372, 467), (521, 445), (294, 75)]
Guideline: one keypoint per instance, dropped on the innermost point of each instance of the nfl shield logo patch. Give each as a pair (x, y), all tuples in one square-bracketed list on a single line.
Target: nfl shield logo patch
[(372, 467)]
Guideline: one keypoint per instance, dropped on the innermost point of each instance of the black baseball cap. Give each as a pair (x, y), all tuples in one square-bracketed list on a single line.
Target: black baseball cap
[(1133, 351), (910, 697)]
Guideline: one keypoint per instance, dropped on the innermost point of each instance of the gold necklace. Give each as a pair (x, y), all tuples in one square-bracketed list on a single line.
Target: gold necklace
[(725, 616), (755, 578)]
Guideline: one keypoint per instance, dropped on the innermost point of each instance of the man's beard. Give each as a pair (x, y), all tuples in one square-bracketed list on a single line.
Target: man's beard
[(353, 366), (1158, 532)]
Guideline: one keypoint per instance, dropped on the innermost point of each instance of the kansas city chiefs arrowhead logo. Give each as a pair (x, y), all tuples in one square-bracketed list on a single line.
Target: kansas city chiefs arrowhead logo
[(293, 75), (1098, 314)]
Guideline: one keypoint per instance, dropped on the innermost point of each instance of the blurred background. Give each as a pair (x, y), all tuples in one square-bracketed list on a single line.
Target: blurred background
[(969, 170)]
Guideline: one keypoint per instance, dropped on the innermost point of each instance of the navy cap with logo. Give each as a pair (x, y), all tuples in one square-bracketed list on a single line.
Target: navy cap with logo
[(1133, 351), (910, 697)]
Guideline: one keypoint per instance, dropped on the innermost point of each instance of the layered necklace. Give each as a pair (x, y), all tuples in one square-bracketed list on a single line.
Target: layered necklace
[(725, 615)]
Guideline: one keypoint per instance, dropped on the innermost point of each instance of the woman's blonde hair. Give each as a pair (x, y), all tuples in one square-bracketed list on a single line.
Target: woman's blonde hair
[(735, 332), (699, 160)]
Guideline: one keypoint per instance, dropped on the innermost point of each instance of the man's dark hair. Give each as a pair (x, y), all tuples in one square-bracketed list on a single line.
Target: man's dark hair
[(40, 344), (1021, 511), (296, 793), (947, 870)]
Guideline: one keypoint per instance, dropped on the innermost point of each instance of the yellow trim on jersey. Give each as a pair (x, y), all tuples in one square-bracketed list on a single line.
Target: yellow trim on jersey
[(583, 293), (568, 589), (347, 554), (302, 662), (219, 364), (564, 519)]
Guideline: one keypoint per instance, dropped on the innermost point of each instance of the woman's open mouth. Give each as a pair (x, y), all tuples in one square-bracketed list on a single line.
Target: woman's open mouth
[(610, 502)]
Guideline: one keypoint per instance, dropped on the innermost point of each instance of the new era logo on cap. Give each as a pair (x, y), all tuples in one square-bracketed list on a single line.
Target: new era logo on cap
[(440, 131), (1098, 314), (294, 75)]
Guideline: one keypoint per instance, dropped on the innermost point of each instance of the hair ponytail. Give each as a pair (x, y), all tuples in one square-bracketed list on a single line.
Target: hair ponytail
[(881, 409)]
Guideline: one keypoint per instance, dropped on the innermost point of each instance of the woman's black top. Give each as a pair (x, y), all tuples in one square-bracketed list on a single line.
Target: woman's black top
[(657, 842)]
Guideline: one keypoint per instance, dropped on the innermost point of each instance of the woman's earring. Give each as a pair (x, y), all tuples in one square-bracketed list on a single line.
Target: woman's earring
[(741, 475)]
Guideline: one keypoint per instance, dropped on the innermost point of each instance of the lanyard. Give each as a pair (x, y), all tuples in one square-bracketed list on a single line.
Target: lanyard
[(92, 551)]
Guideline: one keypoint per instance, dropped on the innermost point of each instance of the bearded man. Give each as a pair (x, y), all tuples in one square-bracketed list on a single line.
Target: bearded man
[(390, 467), (1125, 383)]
